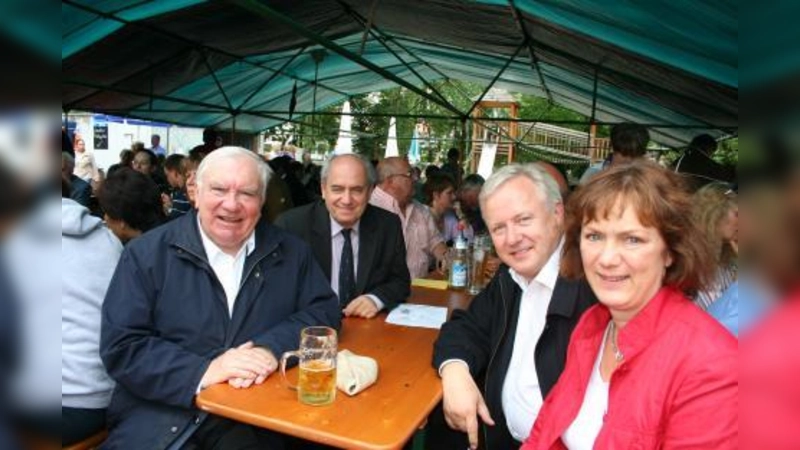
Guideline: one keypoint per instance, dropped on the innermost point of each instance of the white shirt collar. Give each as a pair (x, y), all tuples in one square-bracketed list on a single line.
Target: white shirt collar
[(213, 250), (547, 276), (336, 228)]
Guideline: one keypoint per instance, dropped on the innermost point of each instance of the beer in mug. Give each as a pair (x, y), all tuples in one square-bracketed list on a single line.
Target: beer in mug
[(316, 382)]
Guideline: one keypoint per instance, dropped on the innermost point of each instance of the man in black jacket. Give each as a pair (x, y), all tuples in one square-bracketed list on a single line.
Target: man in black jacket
[(376, 263), (499, 358)]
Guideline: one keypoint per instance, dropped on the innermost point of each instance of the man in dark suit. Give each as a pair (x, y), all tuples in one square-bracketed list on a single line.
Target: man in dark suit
[(360, 247)]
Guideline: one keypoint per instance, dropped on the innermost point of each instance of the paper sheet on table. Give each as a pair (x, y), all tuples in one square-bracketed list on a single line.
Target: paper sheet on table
[(428, 283), (424, 316)]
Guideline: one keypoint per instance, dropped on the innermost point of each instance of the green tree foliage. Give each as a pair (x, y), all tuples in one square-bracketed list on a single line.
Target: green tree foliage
[(371, 126)]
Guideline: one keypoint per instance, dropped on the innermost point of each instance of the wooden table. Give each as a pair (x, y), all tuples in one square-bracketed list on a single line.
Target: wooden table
[(384, 416)]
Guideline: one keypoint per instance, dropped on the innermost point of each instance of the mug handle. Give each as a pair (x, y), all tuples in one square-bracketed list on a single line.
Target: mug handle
[(284, 359)]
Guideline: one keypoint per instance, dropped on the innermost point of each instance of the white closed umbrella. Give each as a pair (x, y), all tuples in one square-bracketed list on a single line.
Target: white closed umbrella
[(391, 142), (344, 143)]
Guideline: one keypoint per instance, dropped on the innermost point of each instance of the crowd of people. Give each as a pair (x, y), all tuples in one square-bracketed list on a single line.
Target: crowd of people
[(603, 324)]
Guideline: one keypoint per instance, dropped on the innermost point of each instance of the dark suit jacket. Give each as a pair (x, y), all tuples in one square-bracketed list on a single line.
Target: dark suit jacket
[(382, 269)]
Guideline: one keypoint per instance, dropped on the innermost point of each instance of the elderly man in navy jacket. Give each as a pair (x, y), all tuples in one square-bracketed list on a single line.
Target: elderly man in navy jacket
[(212, 297)]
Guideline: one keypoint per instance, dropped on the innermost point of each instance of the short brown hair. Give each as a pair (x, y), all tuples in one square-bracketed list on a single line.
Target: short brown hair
[(435, 184), (660, 200)]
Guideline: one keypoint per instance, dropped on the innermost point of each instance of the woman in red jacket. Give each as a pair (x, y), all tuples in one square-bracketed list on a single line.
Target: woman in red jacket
[(646, 368)]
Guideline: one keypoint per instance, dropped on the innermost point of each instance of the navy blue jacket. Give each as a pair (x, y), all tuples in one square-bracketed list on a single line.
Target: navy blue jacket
[(165, 317)]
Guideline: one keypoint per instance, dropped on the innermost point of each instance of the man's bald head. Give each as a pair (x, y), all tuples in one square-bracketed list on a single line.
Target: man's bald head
[(556, 174)]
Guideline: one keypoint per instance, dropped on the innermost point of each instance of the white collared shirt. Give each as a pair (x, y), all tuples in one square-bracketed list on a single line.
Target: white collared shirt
[(522, 396), (228, 269), (337, 243)]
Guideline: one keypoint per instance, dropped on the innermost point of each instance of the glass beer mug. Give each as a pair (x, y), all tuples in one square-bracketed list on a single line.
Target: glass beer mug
[(316, 382)]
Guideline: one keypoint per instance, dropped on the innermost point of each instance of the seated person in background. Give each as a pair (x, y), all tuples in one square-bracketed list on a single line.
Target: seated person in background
[(628, 142), (359, 246), (726, 310), (80, 190), (467, 195), (189, 167), (131, 204), (176, 203), (645, 367), (715, 211), (499, 359), (394, 193), (146, 162), (440, 194), (453, 167), (698, 166), (125, 160), (211, 297), (89, 255)]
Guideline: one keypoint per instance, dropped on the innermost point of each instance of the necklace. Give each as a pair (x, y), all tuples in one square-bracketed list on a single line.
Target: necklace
[(618, 356)]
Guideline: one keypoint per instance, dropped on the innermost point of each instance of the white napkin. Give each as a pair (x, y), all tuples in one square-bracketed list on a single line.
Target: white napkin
[(354, 373)]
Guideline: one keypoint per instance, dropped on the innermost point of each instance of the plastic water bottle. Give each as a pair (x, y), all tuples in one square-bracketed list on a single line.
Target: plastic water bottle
[(459, 262)]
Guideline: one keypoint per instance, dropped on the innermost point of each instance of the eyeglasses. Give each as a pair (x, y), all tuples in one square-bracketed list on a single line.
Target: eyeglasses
[(411, 175)]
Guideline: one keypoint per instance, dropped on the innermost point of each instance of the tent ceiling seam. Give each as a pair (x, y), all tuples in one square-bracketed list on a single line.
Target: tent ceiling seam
[(213, 74), (375, 33), (496, 77), (529, 42)]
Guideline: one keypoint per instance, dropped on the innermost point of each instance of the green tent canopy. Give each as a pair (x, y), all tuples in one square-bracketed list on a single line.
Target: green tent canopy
[(670, 65)]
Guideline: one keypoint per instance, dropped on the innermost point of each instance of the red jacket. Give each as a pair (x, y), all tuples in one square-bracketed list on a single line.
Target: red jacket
[(770, 374), (676, 388)]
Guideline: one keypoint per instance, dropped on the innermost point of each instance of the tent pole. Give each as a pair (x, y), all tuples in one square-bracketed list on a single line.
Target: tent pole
[(464, 141), (233, 128)]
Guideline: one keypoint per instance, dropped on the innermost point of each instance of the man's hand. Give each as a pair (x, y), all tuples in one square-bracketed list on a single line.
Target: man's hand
[(361, 306), (240, 367), (463, 402)]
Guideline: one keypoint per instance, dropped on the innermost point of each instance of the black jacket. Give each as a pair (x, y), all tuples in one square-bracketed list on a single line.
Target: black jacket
[(483, 336), (382, 269)]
